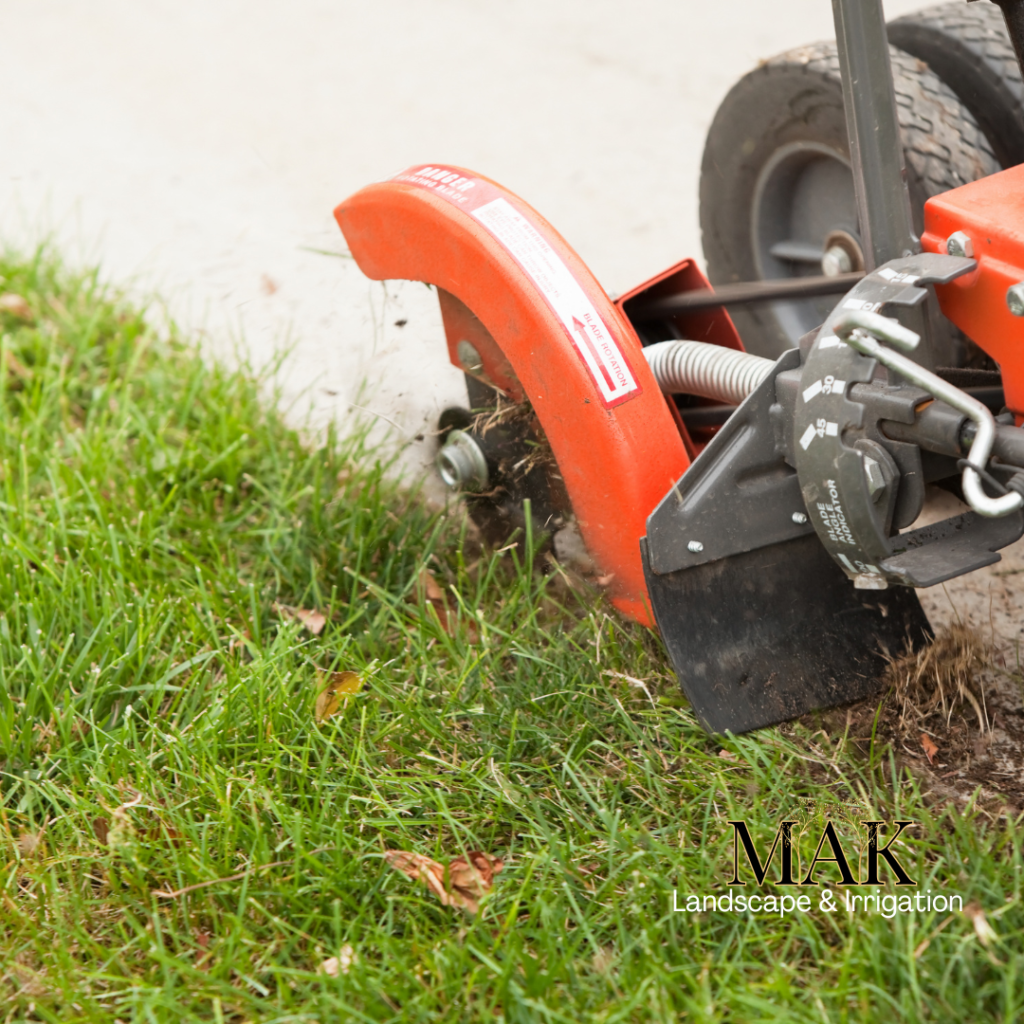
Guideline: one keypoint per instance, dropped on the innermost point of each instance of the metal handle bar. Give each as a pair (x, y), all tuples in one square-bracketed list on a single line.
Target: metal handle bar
[(862, 331)]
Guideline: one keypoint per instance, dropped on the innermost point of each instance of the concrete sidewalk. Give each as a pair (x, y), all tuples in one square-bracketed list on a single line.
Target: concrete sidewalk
[(198, 148)]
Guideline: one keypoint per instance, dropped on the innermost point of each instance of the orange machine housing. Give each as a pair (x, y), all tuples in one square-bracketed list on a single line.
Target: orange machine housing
[(991, 213), (617, 459)]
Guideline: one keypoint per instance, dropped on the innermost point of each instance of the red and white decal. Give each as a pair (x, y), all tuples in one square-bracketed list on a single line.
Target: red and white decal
[(584, 326)]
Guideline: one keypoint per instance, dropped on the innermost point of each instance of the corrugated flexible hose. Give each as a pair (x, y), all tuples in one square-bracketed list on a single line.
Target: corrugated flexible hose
[(711, 371)]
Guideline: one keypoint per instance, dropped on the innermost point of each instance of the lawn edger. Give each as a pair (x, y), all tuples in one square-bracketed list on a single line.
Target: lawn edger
[(749, 480)]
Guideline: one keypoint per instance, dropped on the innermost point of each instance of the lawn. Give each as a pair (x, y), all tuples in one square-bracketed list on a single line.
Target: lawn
[(197, 804)]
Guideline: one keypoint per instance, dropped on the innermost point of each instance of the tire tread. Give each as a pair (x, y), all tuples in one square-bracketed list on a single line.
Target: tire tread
[(967, 46), (944, 147)]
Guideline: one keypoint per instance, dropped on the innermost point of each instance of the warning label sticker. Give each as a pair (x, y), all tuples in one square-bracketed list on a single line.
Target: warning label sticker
[(589, 334), (585, 327)]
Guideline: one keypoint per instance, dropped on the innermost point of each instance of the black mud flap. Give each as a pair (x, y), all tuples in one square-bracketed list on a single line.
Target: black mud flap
[(764, 636)]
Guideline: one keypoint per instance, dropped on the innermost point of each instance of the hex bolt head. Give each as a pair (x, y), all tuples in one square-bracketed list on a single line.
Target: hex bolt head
[(799, 518), (836, 261), (469, 358), (959, 244), (874, 477), (1015, 298), (695, 546)]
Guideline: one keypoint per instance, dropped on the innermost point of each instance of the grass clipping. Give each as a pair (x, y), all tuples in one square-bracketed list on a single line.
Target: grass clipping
[(941, 679)]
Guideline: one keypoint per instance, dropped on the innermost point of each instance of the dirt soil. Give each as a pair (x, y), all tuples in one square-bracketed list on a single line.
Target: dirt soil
[(956, 716)]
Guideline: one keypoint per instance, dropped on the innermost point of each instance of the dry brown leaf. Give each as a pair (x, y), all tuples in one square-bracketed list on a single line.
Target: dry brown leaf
[(464, 882), (31, 844), (340, 964), (929, 747), (310, 618), (15, 305), (420, 868), (434, 595), (428, 589), (474, 878), (334, 696)]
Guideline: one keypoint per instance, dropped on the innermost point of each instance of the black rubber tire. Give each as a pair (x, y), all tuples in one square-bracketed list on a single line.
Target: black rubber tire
[(797, 98), (968, 47)]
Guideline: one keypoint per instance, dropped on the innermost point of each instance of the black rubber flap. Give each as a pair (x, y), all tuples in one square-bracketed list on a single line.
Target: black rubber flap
[(765, 636)]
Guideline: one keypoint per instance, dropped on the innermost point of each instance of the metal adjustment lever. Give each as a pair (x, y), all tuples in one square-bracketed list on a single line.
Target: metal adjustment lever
[(862, 331)]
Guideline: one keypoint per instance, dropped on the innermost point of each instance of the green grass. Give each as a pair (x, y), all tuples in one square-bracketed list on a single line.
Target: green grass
[(157, 724)]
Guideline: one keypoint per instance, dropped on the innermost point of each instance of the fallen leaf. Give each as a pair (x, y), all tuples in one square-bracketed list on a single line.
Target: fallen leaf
[(101, 829), (985, 932), (31, 845), (15, 305), (929, 747), (429, 590), (462, 884), (472, 879), (728, 755), (334, 696), (420, 868), (339, 964), (313, 620), (434, 595)]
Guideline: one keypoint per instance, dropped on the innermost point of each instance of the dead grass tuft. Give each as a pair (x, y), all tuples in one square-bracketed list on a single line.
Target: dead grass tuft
[(941, 679)]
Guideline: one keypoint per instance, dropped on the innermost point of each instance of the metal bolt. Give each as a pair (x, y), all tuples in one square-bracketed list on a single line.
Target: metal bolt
[(469, 358), (1015, 298), (836, 261), (799, 518), (875, 479), (695, 546), (959, 244), (462, 463)]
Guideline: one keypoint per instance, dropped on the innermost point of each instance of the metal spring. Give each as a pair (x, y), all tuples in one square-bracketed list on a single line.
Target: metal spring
[(711, 371)]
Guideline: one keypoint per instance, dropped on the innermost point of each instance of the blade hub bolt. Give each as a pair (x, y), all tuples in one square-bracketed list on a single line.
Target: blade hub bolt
[(799, 518), (875, 478), (462, 463), (1015, 298), (959, 244), (695, 546)]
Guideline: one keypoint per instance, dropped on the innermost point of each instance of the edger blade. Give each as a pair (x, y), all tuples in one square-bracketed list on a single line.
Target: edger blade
[(763, 636)]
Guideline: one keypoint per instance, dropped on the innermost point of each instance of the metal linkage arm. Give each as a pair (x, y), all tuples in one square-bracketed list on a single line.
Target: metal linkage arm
[(876, 149), (862, 331)]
